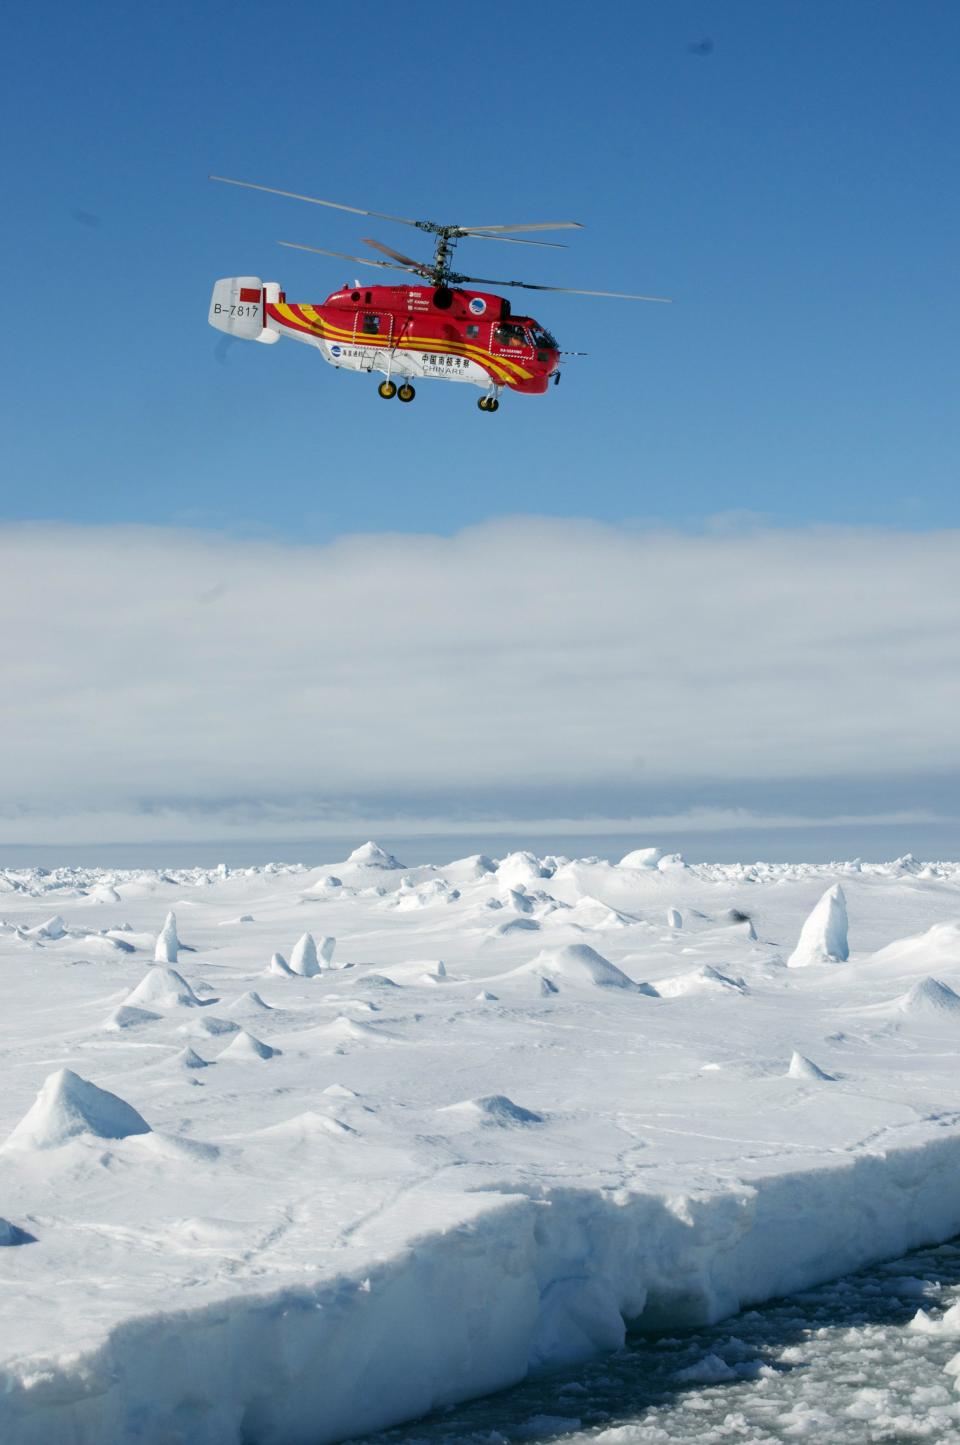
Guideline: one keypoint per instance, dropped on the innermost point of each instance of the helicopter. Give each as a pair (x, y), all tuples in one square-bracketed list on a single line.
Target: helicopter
[(441, 328)]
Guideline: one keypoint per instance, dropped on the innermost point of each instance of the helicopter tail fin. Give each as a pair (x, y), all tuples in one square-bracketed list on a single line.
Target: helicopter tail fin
[(238, 306)]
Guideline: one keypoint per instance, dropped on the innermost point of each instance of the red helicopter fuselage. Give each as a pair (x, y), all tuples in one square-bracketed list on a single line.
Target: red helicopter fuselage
[(444, 333)]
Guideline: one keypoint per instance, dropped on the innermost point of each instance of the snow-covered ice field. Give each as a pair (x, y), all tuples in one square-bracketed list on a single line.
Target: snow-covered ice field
[(482, 1116)]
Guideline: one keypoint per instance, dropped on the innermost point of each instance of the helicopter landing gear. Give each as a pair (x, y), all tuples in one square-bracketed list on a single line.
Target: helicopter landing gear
[(488, 403), (387, 389), (406, 392)]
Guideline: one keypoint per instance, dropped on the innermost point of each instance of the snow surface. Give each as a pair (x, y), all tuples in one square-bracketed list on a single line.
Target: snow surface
[(358, 1194)]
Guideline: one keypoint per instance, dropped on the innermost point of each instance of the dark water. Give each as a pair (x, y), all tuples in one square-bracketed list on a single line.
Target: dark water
[(839, 1365)]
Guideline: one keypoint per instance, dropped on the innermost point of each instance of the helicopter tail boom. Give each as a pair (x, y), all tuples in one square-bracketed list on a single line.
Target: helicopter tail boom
[(238, 306)]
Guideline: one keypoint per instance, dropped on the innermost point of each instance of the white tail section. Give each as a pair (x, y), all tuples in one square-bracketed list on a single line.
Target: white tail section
[(238, 307)]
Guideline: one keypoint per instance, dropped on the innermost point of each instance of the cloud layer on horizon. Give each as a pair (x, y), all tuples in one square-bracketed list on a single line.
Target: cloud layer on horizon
[(169, 670)]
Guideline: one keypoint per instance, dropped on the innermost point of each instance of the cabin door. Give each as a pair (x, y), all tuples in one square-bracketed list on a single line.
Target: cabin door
[(373, 335)]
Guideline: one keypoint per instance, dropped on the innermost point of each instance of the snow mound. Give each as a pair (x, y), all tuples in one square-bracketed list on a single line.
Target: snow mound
[(245, 1046), (279, 966), (210, 1026), (251, 1002), (485, 997), (470, 870), (329, 883), (519, 901), (301, 1127), (303, 959), (68, 1105), (128, 1017), (12, 1234), (521, 867), (641, 858), (803, 1068), (53, 928), (674, 918), (164, 988), (939, 947), (104, 893), (346, 1030), (823, 938), (494, 1109), (88, 946), (167, 941), (371, 855), (514, 925), (699, 980), (579, 963), (591, 913), (931, 997), (411, 896), (188, 1058)]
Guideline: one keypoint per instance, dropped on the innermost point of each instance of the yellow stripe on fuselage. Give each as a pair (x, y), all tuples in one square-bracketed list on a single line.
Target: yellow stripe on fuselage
[(501, 365)]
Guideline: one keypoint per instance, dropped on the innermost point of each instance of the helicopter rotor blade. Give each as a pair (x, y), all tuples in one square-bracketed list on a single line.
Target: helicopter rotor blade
[(567, 290), (527, 226), (514, 240), (397, 255), (361, 260), (434, 226), (316, 201)]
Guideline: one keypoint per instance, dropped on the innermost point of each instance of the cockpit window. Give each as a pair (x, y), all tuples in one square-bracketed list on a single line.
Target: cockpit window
[(508, 333), (542, 338)]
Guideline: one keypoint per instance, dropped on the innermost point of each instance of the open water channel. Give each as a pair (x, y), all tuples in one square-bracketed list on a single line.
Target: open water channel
[(848, 1362)]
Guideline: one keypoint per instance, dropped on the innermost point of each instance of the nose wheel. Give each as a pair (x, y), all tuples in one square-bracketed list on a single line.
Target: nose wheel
[(488, 403), (406, 392), (387, 389)]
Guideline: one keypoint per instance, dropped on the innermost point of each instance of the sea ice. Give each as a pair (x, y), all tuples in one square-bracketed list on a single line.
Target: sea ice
[(278, 965), (168, 943), (823, 938), (379, 1193), (303, 959)]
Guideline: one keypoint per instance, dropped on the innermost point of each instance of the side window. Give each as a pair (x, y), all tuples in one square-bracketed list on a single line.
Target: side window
[(371, 325), (473, 330)]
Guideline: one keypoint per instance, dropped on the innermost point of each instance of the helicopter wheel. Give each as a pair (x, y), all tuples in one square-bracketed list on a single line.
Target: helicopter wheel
[(387, 389), (406, 392), (493, 404), (482, 402)]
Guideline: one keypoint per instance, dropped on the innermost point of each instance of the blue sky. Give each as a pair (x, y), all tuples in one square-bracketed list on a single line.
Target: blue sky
[(793, 189), (171, 503)]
